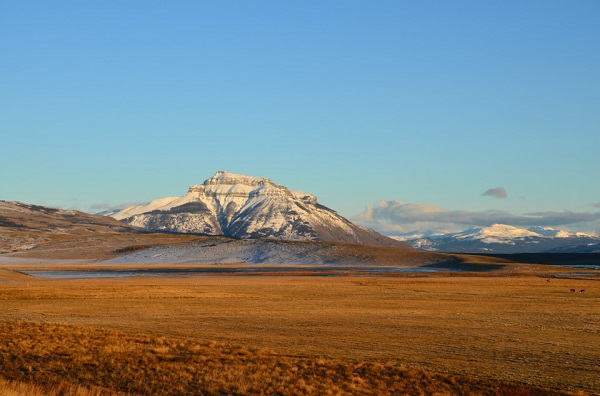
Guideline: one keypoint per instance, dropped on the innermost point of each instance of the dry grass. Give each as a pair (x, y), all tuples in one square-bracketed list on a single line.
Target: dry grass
[(505, 331), (509, 329), (63, 357), (62, 388), (14, 241)]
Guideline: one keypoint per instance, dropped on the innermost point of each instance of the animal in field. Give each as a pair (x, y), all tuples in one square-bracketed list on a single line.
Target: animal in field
[(582, 291), (572, 290)]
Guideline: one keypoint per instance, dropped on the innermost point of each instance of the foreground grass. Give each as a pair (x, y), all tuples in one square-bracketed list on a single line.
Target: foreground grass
[(506, 329), (79, 358), (64, 388)]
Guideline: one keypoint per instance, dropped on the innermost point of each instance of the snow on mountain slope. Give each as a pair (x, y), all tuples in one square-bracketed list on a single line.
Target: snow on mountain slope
[(220, 250), (243, 206), (501, 238), (496, 233), (551, 232), (133, 210)]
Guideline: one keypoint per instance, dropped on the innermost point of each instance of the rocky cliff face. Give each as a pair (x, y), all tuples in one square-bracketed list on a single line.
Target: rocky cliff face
[(242, 206)]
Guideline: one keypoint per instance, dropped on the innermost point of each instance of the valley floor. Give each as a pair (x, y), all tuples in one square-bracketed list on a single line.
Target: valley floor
[(513, 328), (351, 320)]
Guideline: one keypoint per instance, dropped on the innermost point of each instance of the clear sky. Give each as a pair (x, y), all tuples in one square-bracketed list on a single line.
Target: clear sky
[(425, 102)]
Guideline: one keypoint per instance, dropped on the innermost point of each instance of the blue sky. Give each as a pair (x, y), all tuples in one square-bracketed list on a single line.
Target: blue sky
[(424, 102)]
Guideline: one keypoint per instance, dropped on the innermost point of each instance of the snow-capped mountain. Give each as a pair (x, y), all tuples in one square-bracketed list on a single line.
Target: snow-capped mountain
[(243, 206), (501, 238)]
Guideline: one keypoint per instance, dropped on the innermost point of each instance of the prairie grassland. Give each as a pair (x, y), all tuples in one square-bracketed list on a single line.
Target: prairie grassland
[(60, 357), (511, 329), (59, 388)]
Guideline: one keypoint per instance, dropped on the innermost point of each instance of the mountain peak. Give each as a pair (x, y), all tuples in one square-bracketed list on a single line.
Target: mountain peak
[(232, 185), (242, 206), (228, 178), (501, 231)]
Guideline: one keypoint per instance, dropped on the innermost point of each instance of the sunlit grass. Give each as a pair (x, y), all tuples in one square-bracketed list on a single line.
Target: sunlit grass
[(64, 358)]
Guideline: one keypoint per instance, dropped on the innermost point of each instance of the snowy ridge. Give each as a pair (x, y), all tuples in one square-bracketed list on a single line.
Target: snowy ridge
[(133, 210), (501, 238), (243, 206), (496, 233), (551, 232)]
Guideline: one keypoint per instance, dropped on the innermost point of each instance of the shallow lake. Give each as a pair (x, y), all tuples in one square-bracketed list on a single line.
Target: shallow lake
[(203, 272)]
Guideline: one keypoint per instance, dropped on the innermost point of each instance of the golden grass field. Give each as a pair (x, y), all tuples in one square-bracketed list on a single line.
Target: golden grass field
[(511, 329)]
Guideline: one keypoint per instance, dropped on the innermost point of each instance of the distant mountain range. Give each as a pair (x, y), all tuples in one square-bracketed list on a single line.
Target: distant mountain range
[(504, 239), (248, 207), (241, 206)]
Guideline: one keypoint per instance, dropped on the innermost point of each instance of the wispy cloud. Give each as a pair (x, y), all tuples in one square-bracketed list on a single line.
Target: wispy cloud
[(399, 216), (564, 218), (498, 192)]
